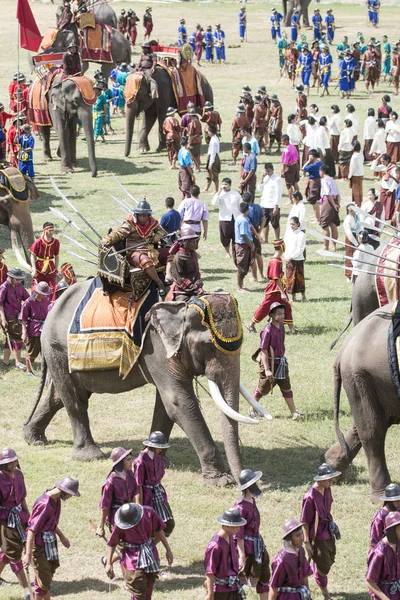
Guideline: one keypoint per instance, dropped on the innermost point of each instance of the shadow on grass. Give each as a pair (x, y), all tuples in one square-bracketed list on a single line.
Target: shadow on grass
[(68, 588), (194, 568), (181, 584), (331, 299), (314, 329)]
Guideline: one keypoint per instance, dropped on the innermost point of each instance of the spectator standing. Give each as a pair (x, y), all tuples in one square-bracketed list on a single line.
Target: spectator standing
[(171, 220), (271, 187), (244, 247), (228, 202), (194, 212), (356, 174)]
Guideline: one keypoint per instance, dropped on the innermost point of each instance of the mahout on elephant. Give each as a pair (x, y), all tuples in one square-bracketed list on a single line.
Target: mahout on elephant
[(182, 341), (16, 193), (367, 367), (168, 74), (104, 13), (63, 103)]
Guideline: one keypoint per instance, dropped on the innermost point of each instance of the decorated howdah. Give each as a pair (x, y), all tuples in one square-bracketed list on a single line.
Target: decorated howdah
[(12, 180)]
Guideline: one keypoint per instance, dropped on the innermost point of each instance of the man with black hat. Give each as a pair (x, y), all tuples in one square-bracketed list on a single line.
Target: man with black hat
[(65, 19), (219, 43), (182, 33), (290, 567), (25, 155), (210, 117), (147, 23), (45, 255), (12, 295), (131, 26), (14, 515), (122, 22), (391, 503), (240, 120), (221, 562), (172, 130), (119, 488), (149, 470), (253, 556), (135, 528), (320, 531), (41, 544), (33, 315), (195, 135), (141, 232), (71, 62), (185, 272), (260, 122), (13, 134), (384, 562), (330, 25)]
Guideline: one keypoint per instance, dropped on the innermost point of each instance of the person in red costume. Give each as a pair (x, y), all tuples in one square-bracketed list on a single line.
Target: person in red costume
[(44, 258)]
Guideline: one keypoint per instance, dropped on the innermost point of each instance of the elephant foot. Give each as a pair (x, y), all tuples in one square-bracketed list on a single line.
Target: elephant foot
[(144, 150), (34, 437), (94, 173), (47, 158), (161, 149), (221, 480), (67, 170), (87, 453), (336, 457)]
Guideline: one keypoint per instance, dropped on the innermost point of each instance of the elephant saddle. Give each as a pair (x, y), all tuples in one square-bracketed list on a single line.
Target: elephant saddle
[(387, 286), (107, 332), (186, 85), (394, 346), (97, 44), (38, 105), (14, 183), (220, 314)]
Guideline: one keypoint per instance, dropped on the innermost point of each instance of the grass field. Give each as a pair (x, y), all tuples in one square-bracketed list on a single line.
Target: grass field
[(288, 453)]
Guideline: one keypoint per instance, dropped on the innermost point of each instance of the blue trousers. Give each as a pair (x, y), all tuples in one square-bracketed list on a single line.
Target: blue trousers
[(26, 168), (293, 34), (305, 78), (325, 79), (374, 17), (276, 33), (317, 34), (242, 31), (209, 53), (220, 52), (330, 34)]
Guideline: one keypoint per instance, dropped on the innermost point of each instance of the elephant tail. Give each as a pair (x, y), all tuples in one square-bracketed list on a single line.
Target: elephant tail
[(336, 407), (43, 376), (335, 341)]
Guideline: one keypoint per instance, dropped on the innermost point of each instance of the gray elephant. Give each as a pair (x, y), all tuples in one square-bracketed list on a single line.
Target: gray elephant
[(66, 106), (289, 5), (105, 14), (177, 348), (154, 109), (120, 49), (15, 208), (362, 366)]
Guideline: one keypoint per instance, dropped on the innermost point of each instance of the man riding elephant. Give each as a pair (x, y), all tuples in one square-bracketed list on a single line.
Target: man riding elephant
[(71, 62), (147, 64), (141, 232)]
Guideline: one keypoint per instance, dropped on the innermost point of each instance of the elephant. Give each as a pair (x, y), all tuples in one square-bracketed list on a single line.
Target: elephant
[(154, 108), (105, 14), (362, 366), (66, 105), (16, 215), (120, 49), (176, 349), (289, 5)]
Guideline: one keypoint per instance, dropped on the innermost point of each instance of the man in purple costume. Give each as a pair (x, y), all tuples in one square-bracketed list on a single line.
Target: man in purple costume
[(12, 295), (253, 556), (33, 315), (384, 562), (319, 529), (14, 516), (149, 470), (134, 528), (221, 562), (290, 567), (41, 544), (391, 503)]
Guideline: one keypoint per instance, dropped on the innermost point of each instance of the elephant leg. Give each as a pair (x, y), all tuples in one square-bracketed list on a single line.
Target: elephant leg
[(34, 431), (148, 122), (72, 125), (45, 133), (336, 455), (61, 126), (161, 137), (162, 422), (373, 435), (106, 69)]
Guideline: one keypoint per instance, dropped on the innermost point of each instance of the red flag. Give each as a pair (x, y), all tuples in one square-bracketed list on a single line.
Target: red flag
[(29, 33)]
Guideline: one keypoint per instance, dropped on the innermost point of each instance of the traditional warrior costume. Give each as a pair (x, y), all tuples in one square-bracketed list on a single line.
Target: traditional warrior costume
[(195, 135), (122, 22), (172, 132), (305, 66), (330, 26), (390, 497), (276, 19), (209, 42), (25, 155), (185, 176), (242, 23), (317, 24), (131, 26), (147, 22), (384, 561), (185, 270), (149, 470), (119, 488), (210, 117), (219, 43), (241, 120), (325, 67), (11, 299), (33, 315), (13, 513), (294, 26), (45, 254), (3, 269), (71, 64)]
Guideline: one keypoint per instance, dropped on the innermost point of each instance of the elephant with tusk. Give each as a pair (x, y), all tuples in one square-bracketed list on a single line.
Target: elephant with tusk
[(178, 347)]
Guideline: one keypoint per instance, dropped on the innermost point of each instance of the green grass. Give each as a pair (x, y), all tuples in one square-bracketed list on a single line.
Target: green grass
[(288, 453)]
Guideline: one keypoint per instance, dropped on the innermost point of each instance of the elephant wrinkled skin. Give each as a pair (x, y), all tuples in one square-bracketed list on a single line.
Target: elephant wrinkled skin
[(177, 348)]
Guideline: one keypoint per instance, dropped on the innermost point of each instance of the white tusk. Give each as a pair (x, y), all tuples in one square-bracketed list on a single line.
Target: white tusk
[(25, 266), (225, 408), (253, 402)]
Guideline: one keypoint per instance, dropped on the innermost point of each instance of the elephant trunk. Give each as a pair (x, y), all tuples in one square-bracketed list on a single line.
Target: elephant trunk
[(87, 122), (21, 223), (131, 114)]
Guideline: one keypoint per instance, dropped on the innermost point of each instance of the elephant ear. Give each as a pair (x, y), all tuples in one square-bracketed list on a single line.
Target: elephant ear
[(168, 319)]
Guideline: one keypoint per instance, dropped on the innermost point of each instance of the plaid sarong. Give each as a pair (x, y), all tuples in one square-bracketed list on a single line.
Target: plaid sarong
[(50, 545), (14, 520), (302, 590), (258, 547), (146, 559), (160, 507), (230, 582), (280, 372)]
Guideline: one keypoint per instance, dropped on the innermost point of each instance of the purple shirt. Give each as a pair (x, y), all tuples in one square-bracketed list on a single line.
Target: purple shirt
[(221, 560), (250, 512), (149, 471), (314, 502), (193, 209), (12, 493), (11, 299), (289, 570), (384, 565), (147, 527), (273, 337), (34, 313), (329, 187), (378, 527), (45, 516), (117, 491), (290, 155)]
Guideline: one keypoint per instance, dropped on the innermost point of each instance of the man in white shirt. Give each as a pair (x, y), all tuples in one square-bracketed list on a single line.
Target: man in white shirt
[(387, 193), (370, 128), (393, 136), (213, 166), (353, 118), (271, 187), (228, 202), (194, 212)]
